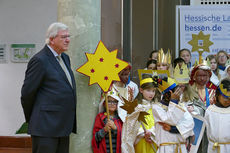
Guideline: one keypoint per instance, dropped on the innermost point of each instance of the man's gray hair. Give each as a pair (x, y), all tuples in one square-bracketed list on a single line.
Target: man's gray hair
[(53, 30)]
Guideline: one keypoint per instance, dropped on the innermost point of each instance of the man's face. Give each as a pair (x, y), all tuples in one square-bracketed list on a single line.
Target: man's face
[(201, 77), (60, 43), (124, 75)]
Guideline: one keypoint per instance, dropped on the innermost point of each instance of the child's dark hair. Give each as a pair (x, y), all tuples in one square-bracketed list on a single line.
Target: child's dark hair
[(178, 60), (210, 57), (226, 85), (154, 51), (152, 61)]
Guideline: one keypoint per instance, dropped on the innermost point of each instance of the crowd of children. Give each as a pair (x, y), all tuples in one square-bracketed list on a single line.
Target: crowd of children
[(162, 120)]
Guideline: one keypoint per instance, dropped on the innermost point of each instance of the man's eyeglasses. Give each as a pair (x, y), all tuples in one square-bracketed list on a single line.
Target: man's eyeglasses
[(112, 102)]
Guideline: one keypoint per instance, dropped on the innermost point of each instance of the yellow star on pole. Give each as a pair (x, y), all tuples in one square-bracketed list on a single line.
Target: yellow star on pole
[(141, 117), (130, 106), (200, 41), (102, 67)]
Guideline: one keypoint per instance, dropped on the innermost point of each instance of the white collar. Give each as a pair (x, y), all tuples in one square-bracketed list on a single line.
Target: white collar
[(53, 51), (145, 102), (220, 110)]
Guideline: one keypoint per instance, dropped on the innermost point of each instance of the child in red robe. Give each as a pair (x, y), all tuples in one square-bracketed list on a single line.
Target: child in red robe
[(100, 140)]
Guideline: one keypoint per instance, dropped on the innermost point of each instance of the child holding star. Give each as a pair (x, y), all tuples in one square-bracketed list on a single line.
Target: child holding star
[(100, 140), (138, 135), (144, 142)]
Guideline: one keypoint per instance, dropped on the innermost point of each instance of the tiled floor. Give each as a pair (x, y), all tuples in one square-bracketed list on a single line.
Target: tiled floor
[(15, 150)]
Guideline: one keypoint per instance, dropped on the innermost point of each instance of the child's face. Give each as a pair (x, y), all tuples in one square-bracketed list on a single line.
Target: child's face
[(213, 64), (124, 75), (162, 66), (151, 66), (228, 71), (201, 77), (186, 56), (222, 58), (224, 100), (180, 64), (148, 94), (112, 104), (154, 55), (182, 86)]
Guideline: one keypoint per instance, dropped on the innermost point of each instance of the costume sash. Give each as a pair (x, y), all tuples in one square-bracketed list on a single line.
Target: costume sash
[(216, 145), (178, 145), (207, 97)]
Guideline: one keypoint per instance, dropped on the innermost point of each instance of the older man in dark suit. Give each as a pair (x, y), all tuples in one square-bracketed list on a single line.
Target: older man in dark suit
[(48, 95)]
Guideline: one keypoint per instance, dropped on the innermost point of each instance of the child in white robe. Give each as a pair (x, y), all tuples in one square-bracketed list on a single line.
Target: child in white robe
[(168, 112), (218, 120), (135, 138)]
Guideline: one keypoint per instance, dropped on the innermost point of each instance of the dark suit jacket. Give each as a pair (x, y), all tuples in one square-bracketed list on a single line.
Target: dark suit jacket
[(47, 98)]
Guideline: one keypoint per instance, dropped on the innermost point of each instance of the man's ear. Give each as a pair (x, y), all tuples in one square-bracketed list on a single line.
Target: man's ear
[(51, 40)]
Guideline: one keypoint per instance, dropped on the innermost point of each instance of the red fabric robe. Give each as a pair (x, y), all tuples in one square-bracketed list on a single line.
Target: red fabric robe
[(100, 147)]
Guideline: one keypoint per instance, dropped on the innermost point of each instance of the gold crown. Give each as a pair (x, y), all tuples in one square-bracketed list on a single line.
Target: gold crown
[(164, 58), (208, 62), (204, 62), (196, 63), (227, 63), (167, 84), (224, 91), (181, 75), (113, 93), (147, 80)]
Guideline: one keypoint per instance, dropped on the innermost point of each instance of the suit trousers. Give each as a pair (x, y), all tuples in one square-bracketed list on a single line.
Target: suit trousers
[(50, 144)]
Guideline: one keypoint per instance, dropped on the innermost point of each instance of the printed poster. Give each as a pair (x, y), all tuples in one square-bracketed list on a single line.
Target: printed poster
[(212, 21), (22, 52)]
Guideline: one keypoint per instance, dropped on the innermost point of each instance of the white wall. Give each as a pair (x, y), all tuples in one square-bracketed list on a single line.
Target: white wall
[(21, 21)]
